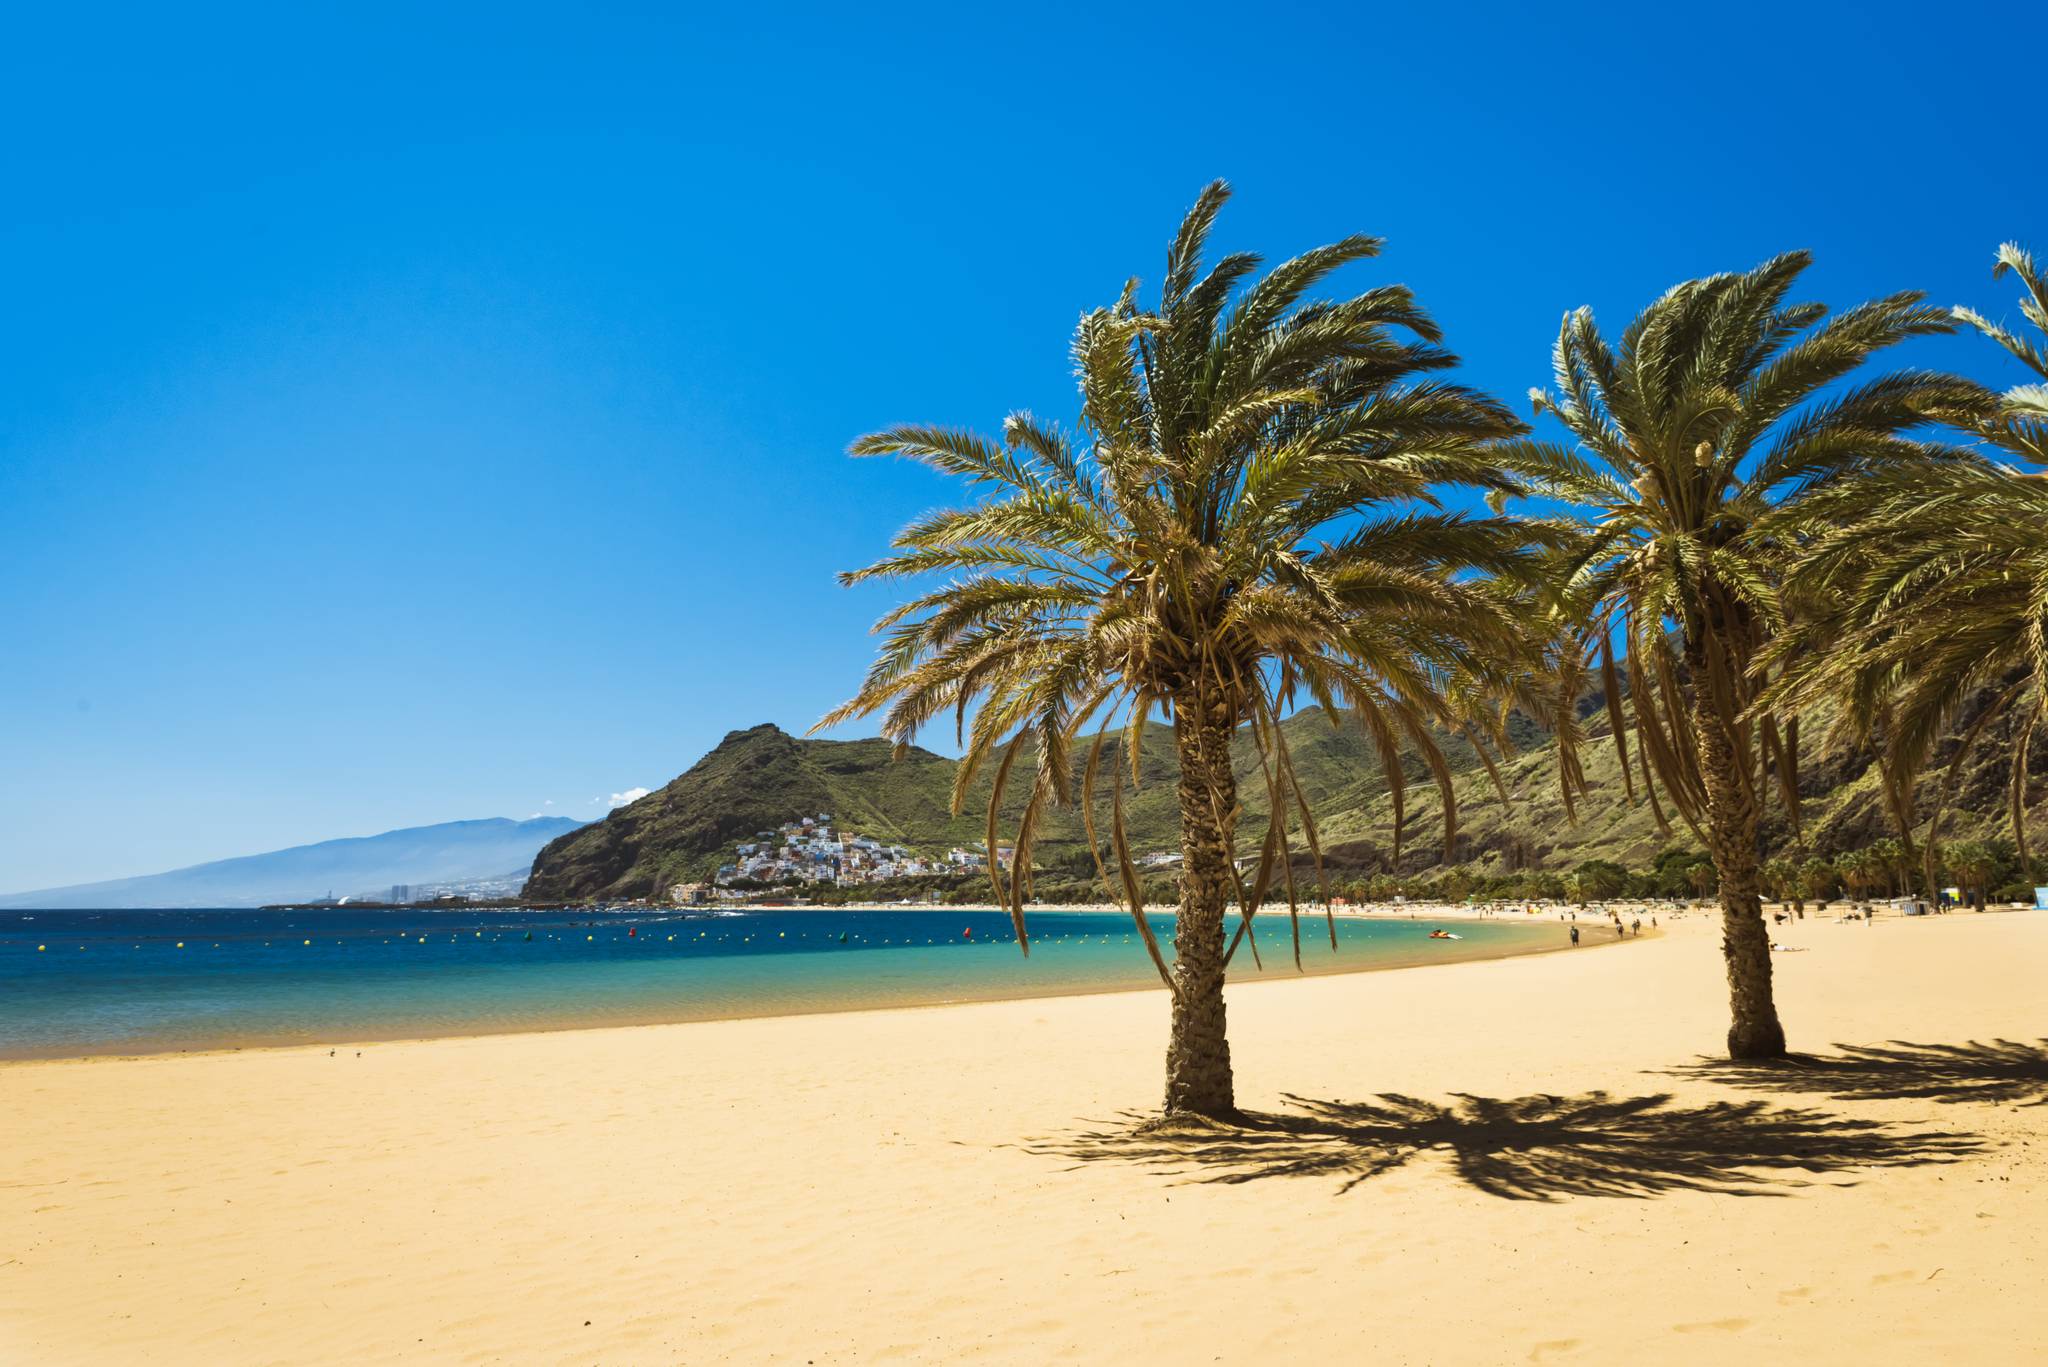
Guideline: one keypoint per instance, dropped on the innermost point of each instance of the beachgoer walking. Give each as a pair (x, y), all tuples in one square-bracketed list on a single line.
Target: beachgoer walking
[(1575, 936)]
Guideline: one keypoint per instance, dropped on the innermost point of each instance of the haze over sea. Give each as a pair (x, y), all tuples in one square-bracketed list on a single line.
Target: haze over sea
[(84, 982)]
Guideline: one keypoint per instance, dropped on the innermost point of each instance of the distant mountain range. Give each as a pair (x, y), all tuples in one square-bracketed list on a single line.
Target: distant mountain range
[(419, 856)]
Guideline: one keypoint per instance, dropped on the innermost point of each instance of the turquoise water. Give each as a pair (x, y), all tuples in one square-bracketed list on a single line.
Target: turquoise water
[(76, 982)]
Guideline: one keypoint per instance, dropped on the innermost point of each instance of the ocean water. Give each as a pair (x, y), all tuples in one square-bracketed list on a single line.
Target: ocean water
[(81, 982)]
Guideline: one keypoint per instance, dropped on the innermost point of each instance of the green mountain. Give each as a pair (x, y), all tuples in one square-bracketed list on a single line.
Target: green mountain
[(755, 780)]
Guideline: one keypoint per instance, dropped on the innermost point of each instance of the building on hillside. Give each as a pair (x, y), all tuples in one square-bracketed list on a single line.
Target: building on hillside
[(811, 851)]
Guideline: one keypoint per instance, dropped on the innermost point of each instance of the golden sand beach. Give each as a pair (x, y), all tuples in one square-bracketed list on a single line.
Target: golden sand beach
[(1496, 1162)]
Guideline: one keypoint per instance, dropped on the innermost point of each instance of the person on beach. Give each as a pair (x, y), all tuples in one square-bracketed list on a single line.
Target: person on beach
[(1575, 937), (1637, 926)]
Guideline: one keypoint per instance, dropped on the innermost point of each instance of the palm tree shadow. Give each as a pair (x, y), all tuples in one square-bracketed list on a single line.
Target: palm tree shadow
[(1540, 1148), (2000, 1072)]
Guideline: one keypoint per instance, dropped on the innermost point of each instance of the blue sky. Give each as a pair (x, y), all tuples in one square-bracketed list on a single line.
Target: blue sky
[(415, 418)]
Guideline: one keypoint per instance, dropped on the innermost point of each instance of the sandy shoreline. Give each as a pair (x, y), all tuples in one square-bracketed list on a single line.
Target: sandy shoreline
[(1497, 1161)]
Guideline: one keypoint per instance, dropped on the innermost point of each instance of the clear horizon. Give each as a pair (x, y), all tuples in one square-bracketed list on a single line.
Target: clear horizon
[(426, 418)]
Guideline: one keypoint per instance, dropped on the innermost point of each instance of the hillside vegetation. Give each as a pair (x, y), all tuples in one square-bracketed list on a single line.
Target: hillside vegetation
[(754, 780)]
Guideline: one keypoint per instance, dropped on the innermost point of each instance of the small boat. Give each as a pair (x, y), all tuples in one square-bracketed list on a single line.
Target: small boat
[(1444, 935)]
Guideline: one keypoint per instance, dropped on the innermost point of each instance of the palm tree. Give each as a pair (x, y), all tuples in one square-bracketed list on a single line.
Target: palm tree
[(1701, 876), (1862, 869), (1602, 879), (1781, 879), (1921, 591), (1706, 415), (1817, 878), (2020, 422), (1457, 883), (1970, 861), (1245, 517), (1890, 856)]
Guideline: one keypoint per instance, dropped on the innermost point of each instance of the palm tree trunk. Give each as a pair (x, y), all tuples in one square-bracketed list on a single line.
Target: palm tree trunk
[(1909, 868), (1198, 1078), (1754, 1031)]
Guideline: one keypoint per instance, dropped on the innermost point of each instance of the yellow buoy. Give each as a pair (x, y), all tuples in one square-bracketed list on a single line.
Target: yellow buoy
[(181, 945)]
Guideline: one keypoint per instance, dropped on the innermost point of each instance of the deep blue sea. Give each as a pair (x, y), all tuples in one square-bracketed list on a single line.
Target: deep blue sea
[(83, 982)]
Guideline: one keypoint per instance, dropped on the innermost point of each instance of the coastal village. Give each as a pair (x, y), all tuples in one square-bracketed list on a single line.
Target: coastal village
[(810, 850)]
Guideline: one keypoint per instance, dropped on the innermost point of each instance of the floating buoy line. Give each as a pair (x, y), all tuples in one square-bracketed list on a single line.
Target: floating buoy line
[(737, 938)]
